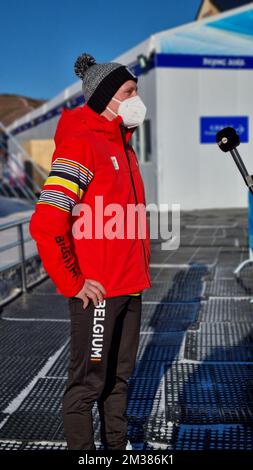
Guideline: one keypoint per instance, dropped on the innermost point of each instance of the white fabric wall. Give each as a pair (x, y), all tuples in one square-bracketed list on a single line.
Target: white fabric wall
[(192, 174)]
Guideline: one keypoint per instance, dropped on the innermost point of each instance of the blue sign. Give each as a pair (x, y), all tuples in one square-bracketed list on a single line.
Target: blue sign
[(209, 126), (203, 61)]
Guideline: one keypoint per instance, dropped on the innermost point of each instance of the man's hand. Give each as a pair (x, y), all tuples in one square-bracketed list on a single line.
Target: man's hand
[(91, 290)]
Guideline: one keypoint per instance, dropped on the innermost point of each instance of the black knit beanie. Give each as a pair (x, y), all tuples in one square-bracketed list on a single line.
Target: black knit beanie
[(101, 81)]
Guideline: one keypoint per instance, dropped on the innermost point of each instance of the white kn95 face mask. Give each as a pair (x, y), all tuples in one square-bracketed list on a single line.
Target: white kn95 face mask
[(132, 110)]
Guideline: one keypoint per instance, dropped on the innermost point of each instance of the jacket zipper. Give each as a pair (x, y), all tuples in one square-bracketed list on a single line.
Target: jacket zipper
[(133, 186)]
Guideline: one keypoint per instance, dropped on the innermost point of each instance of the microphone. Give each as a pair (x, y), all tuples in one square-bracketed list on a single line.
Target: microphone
[(228, 140)]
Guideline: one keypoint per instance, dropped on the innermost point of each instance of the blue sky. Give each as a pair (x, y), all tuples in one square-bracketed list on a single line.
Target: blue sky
[(41, 40)]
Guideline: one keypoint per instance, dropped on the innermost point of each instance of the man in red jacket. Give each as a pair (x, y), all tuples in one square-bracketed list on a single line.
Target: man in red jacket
[(94, 174)]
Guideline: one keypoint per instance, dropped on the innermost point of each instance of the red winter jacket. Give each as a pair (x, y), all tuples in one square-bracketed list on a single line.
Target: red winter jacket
[(92, 157)]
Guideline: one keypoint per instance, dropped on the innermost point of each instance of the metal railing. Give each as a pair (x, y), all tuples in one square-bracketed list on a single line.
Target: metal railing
[(20, 243)]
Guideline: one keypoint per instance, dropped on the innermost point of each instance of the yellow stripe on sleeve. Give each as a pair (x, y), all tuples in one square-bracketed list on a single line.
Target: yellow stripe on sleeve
[(66, 184)]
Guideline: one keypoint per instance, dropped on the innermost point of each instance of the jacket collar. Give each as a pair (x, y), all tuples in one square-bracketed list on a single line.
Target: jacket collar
[(98, 123)]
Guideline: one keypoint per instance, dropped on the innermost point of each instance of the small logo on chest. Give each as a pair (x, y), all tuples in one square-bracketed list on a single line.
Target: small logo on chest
[(115, 163)]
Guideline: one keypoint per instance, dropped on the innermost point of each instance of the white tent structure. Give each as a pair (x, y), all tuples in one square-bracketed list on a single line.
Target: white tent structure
[(194, 80)]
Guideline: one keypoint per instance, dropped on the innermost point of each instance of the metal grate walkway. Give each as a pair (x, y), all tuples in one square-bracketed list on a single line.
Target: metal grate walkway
[(192, 387)]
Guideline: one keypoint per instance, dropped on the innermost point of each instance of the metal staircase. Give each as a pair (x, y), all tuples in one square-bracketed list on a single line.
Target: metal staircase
[(19, 174)]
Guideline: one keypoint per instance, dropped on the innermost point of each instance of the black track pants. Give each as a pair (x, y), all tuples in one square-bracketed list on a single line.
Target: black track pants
[(104, 343)]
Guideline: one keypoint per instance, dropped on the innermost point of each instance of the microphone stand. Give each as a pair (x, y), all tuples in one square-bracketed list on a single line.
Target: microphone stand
[(249, 183), (242, 168)]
